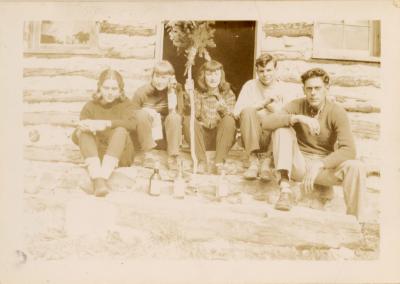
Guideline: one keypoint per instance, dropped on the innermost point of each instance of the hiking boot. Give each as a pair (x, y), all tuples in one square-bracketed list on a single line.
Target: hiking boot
[(172, 163), (252, 172), (265, 171), (284, 202), (100, 187)]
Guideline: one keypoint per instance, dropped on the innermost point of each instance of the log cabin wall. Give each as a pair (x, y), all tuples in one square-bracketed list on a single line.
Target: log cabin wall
[(57, 85)]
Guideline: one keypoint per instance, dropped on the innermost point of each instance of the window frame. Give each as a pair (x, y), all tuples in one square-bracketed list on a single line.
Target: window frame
[(33, 45), (343, 54)]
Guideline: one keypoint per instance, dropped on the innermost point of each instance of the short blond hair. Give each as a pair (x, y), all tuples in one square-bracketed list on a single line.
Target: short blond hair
[(164, 67)]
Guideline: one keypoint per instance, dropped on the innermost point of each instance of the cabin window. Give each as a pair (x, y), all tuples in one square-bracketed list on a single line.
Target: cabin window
[(347, 40), (60, 37)]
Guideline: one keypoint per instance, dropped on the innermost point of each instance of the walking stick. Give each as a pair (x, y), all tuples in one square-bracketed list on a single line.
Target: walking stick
[(192, 120)]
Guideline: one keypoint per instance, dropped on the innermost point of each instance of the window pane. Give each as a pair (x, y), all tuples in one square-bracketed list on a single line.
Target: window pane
[(356, 37), (331, 36), (65, 32)]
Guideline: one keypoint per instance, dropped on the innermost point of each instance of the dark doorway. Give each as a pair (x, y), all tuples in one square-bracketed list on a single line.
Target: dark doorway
[(235, 48)]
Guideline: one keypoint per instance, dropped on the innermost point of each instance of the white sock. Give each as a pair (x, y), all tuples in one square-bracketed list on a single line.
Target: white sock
[(108, 165), (94, 167)]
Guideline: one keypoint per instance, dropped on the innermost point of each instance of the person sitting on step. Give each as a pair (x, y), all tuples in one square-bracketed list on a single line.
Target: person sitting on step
[(259, 98), (304, 137), (158, 106), (215, 127), (103, 131)]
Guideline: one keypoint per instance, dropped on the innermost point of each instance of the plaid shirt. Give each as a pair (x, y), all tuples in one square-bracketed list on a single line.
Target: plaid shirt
[(211, 107)]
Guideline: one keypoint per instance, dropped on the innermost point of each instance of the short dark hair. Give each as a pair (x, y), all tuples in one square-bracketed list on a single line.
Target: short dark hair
[(264, 59), (315, 72)]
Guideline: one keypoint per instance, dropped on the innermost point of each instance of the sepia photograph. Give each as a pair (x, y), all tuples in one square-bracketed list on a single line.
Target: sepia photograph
[(191, 139)]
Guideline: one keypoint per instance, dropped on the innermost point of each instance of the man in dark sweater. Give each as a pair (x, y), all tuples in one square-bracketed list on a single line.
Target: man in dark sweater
[(159, 106), (304, 139)]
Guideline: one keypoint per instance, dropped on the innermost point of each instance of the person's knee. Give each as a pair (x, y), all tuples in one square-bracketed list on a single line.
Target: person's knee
[(247, 111), (284, 133), (83, 135), (298, 175), (355, 166), (228, 122), (142, 116), (120, 131), (174, 118)]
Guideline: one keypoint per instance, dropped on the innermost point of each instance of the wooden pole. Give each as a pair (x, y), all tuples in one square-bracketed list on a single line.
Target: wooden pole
[(192, 120)]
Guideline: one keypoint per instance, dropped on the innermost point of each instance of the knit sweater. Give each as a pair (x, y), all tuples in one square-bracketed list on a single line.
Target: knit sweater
[(150, 97), (120, 113), (334, 127)]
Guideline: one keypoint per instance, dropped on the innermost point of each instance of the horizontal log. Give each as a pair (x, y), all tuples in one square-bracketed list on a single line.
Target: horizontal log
[(53, 118), (74, 107), (141, 53), (47, 135), (135, 66), (54, 96), (123, 41), (284, 48), (62, 83), (139, 29), (365, 125), (354, 75), (90, 74), (298, 29), (57, 153), (133, 52)]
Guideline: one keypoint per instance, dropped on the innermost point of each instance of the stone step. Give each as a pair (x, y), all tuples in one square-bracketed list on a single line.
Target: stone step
[(66, 224), (50, 177)]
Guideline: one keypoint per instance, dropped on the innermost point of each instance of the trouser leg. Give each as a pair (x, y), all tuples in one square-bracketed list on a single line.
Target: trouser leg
[(88, 145), (250, 129), (226, 131), (143, 130), (351, 174), (200, 145), (117, 142), (173, 131), (286, 153)]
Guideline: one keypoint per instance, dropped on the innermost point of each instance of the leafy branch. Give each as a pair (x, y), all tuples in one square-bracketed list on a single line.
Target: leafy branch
[(192, 38)]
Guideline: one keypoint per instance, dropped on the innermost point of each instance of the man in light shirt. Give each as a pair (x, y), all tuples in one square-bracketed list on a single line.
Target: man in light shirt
[(258, 98)]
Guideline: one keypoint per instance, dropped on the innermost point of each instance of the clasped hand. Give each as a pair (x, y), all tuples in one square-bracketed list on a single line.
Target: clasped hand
[(93, 125)]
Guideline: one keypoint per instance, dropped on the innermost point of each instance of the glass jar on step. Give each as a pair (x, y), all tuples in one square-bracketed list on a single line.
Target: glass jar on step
[(155, 182)]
